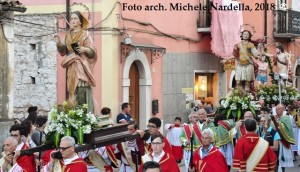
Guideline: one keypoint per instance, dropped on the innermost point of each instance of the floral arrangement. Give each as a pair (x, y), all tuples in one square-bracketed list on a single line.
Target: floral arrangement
[(70, 120), (270, 94), (236, 104)]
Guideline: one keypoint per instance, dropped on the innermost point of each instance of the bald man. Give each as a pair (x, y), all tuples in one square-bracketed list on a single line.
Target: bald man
[(240, 129), (284, 127)]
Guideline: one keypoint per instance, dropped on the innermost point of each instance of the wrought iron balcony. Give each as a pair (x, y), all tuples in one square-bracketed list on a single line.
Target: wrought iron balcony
[(287, 24)]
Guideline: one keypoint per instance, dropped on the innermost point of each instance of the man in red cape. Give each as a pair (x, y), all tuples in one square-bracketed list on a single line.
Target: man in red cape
[(166, 160), (154, 125), (208, 158), (25, 162), (253, 153), (70, 161)]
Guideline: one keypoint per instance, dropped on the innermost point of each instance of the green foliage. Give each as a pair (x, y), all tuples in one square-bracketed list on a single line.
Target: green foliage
[(236, 104), (270, 94), (66, 120)]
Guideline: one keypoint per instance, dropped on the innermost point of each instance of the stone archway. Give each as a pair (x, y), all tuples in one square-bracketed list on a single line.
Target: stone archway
[(296, 80), (145, 83)]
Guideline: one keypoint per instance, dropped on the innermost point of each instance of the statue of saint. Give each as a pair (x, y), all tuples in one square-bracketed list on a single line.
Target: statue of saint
[(282, 61), (81, 57), (244, 52)]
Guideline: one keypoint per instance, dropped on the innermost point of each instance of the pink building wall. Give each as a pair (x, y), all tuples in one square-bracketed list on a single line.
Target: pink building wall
[(170, 22), (181, 23)]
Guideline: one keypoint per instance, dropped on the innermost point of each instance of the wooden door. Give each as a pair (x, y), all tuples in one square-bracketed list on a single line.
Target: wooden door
[(134, 92)]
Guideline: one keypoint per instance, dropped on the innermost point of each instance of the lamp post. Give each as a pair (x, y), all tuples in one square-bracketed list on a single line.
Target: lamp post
[(278, 78)]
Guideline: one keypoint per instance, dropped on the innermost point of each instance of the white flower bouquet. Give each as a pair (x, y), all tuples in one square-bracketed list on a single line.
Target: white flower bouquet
[(270, 93), (236, 104), (65, 120)]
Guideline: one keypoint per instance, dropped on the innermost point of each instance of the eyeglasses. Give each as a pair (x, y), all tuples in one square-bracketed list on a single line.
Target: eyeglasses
[(151, 126), (206, 138), (14, 135), (64, 148), (156, 143)]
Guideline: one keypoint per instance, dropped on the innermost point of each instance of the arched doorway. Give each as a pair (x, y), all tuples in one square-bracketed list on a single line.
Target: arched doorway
[(140, 61), (134, 91)]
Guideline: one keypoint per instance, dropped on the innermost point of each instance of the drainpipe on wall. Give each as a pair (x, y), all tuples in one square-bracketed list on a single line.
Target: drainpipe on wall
[(93, 19), (67, 13), (265, 24), (67, 28)]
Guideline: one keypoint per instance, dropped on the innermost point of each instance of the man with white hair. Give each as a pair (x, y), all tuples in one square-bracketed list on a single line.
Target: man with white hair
[(69, 160), (207, 155), (203, 121), (10, 145), (185, 139)]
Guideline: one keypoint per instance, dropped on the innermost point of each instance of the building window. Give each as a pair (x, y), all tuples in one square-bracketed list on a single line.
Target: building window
[(33, 46), (204, 85), (32, 80), (281, 2), (204, 20)]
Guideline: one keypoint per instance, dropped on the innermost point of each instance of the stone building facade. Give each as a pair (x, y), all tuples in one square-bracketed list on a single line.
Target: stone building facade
[(35, 72)]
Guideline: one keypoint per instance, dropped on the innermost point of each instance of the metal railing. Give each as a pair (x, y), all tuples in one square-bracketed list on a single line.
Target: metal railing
[(287, 22)]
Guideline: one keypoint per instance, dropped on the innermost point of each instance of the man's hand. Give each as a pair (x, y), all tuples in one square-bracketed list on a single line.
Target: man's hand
[(141, 133), (9, 158), (238, 124), (16, 156), (191, 169), (123, 121), (207, 120)]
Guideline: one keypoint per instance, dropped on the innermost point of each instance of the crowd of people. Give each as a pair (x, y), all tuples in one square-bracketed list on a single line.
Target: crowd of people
[(268, 142)]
